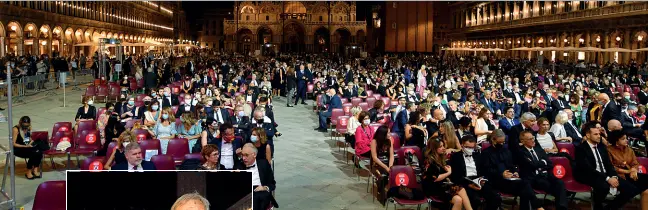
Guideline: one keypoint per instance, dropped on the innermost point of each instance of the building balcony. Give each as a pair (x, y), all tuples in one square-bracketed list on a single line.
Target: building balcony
[(614, 11), (305, 22)]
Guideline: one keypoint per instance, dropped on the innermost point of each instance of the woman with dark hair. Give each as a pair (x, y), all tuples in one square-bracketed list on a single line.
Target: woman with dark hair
[(415, 134), (436, 179), (626, 164), (25, 147), (363, 135), (259, 138), (291, 84), (118, 156), (378, 109), (113, 130), (481, 126), (382, 158)]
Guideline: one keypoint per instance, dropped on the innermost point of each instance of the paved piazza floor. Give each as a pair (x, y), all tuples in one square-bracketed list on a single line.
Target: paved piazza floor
[(309, 170)]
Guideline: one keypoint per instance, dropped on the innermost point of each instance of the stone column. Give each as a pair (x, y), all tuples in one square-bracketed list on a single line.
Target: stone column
[(606, 44), (49, 46), (627, 41)]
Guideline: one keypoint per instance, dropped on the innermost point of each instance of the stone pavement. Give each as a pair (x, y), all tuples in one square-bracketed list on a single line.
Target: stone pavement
[(309, 170)]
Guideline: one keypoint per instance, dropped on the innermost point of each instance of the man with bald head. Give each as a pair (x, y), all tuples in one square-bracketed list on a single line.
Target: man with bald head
[(610, 110), (435, 123)]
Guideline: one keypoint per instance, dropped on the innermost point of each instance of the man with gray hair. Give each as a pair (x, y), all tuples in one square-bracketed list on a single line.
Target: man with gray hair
[(134, 161), (263, 180), (191, 201), (630, 125), (527, 121)]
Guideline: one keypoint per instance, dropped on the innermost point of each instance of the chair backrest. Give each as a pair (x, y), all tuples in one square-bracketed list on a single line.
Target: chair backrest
[(88, 139), (178, 147), (102, 90), (356, 101), (566, 147), (133, 85), (150, 145), (319, 99), (94, 163), (371, 101), (114, 91), (347, 108), (309, 88), (141, 135), (369, 92), (174, 109), (50, 195), (485, 145), (91, 90), (400, 175), (364, 106), (643, 165), (409, 149), (101, 111), (396, 140), (61, 136), (163, 162), (377, 96), (111, 149), (139, 103), (87, 125), (62, 126), (140, 83), (335, 113), (196, 156), (39, 135), (562, 168), (343, 100), (342, 122)]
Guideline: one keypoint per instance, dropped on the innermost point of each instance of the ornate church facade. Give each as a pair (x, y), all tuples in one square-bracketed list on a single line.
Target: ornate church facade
[(295, 27)]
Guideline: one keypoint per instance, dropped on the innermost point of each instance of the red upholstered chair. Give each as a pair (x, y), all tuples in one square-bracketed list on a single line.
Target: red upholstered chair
[(139, 103), (94, 163), (356, 101), (319, 101), (111, 149), (341, 128), (377, 96), (563, 171), (375, 126), (174, 109), (196, 156), (369, 92), (364, 106), (50, 195), (140, 83), (151, 144), (141, 135), (133, 86), (54, 141), (371, 101), (485, 145), (177, 149), (62, 126), (103, 92), (163, 162), (566, 147), (343, 100), (335, 113), (643, 163), (401, 175), (90, 91), (396, 140), (88, 142), (309, 88), (101, 111), (409, 149), (114, 92), (140, 97), (86, 125), (347, 108)]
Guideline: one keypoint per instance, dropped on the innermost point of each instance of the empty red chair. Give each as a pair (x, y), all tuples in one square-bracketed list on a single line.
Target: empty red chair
[(163, 162), (95, 163), (319, 100), (150, 145), (140, 83), (400, 175), (356, 101), (111, 149), (636, 90), (643, 163), (369, 92), (39, 135), (50, 195), (343, 100), (626, 88), (485, 145), (371, 101), (196, 156), (364, 106), (177, 149), (103, 92), (90, 91), (133, 86), (566, 147), (347, 108), (54, 141), (114, 92), (396, 140), (409, 149), (335, 113), (341, 125), (62, 126), (141, 135), (563, 171), (85, 125), (88, 143), (377, 96)]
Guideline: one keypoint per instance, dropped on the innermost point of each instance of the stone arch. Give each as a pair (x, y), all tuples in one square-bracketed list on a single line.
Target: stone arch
[(294, 35), (264, 34), (321, 39), (577, 38), (30, 30), (294, 7), (88, 35), (15, 34), (78, 35), (2, 31), (109, 35), (638, 33), (44, 32)]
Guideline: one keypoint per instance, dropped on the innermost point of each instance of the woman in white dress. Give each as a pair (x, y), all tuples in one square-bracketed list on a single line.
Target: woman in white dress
[(152, 114), (481, 128), (421, 81), (558, 128)]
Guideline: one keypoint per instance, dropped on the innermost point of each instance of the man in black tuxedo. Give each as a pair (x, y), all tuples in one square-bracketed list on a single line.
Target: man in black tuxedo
[(169, 100), (186, 107), (189, 68), (593, 168), (219, 114), (303, 76), (501, 171), (571, 129), (558, 105), (527, 121), (610, 110), (263, 180), (259, 121), (134, 162), (251, 95), (536, 168), (643, 95), (467, 166), (631, 126), (240, 122)]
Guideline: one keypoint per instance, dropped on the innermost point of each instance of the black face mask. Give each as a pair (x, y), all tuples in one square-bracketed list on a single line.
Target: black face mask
[(147, 103), (24, 126), (259, 121)]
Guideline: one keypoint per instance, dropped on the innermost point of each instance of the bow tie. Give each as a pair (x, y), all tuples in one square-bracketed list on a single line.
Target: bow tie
[(467, 156), (249, 167)]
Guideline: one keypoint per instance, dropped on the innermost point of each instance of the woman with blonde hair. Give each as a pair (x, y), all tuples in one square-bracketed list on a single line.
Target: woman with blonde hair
[(189, 129), (260, 141), (165, 129), (437, 176), (247, 109), (449, 137), (118, 155), (558, 128), (352, 125)]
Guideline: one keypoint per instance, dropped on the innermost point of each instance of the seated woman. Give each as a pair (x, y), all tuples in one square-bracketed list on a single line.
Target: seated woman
[(558, 128), (103, 121), (415, 134), (260, 141), (363, 135), (118, 155), (436, 180), (362, 93), (211, 156), (626, 165), (165, 129), (152, 115), (352, 125), (449, 136), (382, 158), (546, 139), (25, 147), (189, 129), (376, 113), (85, 112)]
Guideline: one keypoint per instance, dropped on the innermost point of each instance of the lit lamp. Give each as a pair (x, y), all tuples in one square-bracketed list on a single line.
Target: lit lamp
[(44, 30), (56, 31), (518, 41), (598, 39), (13, 28), (509, 41), (540, 41), (30, 28), (551, 40), (565, 40), (581, 40), (44, 43), (618, 38), (78, 33), (640, 38), (501, 42)]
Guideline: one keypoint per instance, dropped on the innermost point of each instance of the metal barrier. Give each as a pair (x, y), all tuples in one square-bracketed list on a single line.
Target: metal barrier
[(32, 85)]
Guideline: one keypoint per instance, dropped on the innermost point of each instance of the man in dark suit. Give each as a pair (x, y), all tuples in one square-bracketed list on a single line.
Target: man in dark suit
[(251, 95), (631, 126), (536, 168), (186, 107), (240, 122), (593, 168), (501, 171), (643, 95), (489, 103), (219, 114), (334, 103), (557, 105), (169, 100), (402, 118), (189, 68), (571, 129), (259, 121), (263, 180), (134, 161), (610, 110), (303, 76), (467, 166), (451, 114), (528, 120), (508, 121)]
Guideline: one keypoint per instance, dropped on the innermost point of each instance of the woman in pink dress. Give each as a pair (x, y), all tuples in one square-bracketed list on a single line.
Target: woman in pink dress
[(421, 80)]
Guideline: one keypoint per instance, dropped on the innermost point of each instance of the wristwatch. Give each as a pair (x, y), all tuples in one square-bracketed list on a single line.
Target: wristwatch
[(267, 188)]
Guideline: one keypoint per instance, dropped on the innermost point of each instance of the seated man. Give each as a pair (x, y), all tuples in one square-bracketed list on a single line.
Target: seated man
[(263, 180), (535, 168), (334, 103), (134, 162), (630, 125), (191, 201), (594, 168)]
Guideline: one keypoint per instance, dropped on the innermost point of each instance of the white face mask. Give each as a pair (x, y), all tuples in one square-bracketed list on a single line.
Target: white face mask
[(90, 102), (125, 144), (366, 122)]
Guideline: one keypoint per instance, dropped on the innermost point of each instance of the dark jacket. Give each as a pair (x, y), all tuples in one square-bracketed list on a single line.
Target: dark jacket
[(146, 165)]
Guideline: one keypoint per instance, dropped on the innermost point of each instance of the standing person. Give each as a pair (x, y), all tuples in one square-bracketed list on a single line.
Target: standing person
[(74, 63), (263, 180), (82, 61), (291, 80), (25, 147), (302, 81), (278, 81)]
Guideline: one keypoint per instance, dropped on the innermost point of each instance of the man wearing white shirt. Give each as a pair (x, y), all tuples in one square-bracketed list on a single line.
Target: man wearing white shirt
[(263, 180), (134, 161), (593, 168), (466, 167)]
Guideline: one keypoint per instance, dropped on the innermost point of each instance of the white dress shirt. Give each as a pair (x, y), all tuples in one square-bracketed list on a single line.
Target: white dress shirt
[(133, 168), (227, 159), (471, 168), (218, 116), (256, 180), (599, 167), (545, 140), (575, 129)]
